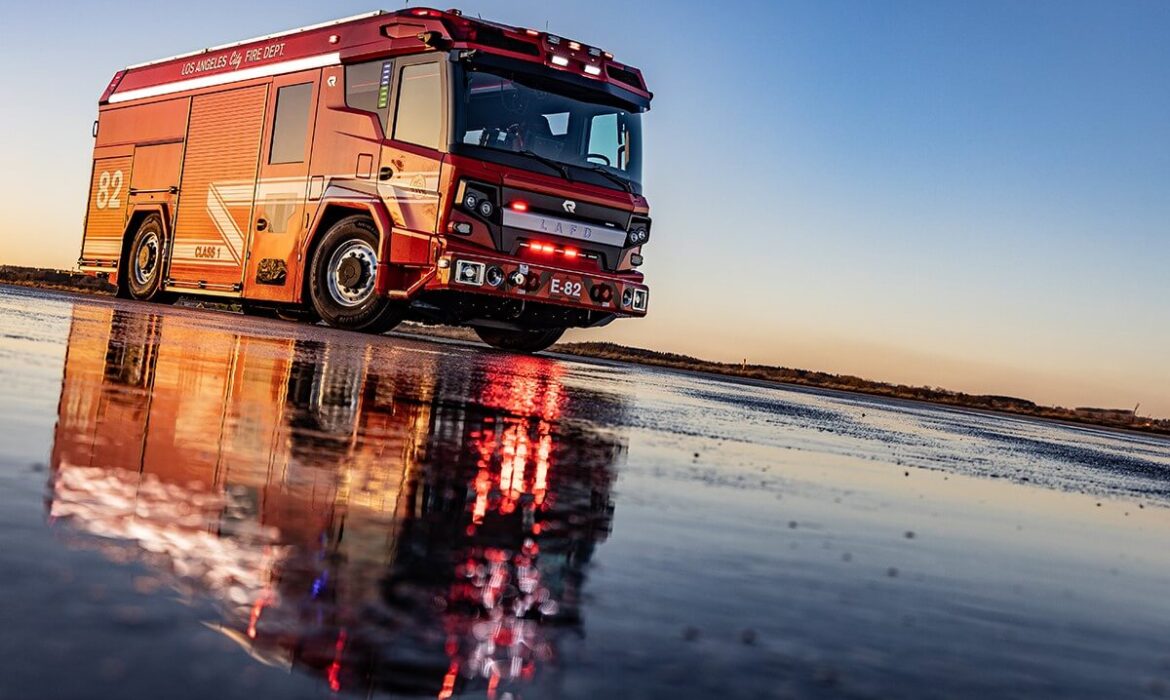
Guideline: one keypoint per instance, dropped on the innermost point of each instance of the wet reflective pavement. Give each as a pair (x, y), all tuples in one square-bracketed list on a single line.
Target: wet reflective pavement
[(195, 504)]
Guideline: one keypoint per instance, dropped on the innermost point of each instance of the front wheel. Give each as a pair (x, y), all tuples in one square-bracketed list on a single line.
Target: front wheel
[(341, 279), (528, 341)]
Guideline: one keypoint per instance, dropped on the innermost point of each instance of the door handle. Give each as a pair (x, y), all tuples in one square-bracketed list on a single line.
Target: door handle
[(261, 224), (385, 173)]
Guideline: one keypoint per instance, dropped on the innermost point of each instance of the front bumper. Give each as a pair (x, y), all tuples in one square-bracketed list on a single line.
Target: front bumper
[(544, 283)]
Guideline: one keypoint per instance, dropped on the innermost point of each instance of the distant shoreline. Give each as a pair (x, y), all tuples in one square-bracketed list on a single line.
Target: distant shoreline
[(766, 374), (68, 281)]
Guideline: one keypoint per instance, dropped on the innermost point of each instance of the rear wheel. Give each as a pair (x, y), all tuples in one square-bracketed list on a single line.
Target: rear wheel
[(341, 279), (143, 273), (520, 341)]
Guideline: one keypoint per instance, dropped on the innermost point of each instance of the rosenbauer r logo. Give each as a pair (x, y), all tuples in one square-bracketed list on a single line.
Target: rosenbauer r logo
[(570, 206)]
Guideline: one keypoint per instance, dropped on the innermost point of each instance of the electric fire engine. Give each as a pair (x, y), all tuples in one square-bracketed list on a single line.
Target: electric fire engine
[(414, 164)]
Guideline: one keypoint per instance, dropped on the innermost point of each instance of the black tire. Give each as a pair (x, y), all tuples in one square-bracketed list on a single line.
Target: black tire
[(142, 274), (529, 341), (341, 279)]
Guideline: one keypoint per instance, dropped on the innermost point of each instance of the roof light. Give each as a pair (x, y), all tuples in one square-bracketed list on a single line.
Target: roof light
[(593, 70), (574, 46), (531, 32), (560, 61), (424, 12), (595, 52), (519, 206), (554, 40)]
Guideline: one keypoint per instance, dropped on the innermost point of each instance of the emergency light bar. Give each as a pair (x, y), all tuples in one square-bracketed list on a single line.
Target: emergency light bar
[(550, 249)]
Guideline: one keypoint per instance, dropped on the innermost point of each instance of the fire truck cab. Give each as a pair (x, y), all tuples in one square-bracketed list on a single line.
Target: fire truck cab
[(415, 164)]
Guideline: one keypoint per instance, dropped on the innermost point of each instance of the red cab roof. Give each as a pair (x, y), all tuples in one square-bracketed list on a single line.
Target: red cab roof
[(364, 37)]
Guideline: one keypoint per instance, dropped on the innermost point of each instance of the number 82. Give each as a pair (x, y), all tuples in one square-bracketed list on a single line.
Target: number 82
[(109, 187)]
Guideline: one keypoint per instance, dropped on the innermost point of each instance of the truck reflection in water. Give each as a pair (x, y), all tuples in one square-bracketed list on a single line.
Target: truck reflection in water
[(389, 519)]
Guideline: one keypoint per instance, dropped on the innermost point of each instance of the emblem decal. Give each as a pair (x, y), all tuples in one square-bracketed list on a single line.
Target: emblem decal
[(570, 206)]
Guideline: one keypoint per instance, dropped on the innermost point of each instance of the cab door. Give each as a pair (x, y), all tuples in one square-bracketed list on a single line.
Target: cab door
[(278, 219), (408, 180)]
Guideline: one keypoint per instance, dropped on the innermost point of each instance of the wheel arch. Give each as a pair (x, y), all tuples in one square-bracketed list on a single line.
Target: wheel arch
[(137, 215), (330, 213)]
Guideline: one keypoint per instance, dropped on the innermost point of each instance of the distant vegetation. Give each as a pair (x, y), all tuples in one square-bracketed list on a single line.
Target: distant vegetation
[(54, 279), (1113, 418)]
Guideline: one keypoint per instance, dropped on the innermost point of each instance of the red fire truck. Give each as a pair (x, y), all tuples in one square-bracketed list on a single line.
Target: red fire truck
[(413, 164)]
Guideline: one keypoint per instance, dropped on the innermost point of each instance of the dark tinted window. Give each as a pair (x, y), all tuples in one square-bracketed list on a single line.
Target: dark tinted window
[(367, 86), (290, 129), (420, 106), (517, 112)]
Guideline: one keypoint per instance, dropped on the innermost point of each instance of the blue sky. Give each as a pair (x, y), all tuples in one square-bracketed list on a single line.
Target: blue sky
[(970, 195)]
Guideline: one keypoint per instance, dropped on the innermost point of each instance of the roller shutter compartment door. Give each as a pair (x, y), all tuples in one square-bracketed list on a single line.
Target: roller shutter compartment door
[(217, 189)]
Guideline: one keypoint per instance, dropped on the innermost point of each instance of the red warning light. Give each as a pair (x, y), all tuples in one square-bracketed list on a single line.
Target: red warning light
[(520, 206)]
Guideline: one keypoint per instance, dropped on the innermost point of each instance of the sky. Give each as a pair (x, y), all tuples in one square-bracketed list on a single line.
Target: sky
[(956, 194)]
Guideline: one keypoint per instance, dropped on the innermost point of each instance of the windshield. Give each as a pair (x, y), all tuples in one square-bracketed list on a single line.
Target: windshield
[(517, 113)]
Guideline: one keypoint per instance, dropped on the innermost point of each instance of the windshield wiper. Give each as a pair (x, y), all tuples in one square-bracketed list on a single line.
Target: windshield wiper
[(564, 170), (619, 180), (559, 167)]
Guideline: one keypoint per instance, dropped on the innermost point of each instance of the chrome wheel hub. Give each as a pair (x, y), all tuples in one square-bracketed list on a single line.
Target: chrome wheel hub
[(146, 261), (351, 273)]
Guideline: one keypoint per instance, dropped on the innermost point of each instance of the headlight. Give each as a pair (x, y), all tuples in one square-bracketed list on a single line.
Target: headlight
[(641, 296), (495, 276), (478, 199), (468, 272), (638, 235)]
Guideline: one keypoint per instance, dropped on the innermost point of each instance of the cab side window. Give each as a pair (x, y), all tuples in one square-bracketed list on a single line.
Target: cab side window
[(367, 87), (290, 129), (419, 118)]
